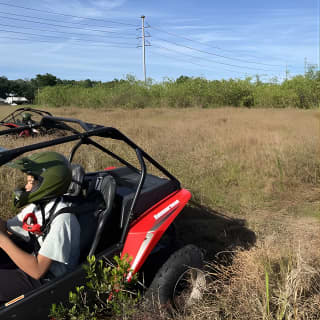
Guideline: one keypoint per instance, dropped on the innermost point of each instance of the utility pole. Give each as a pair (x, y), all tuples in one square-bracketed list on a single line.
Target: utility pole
[(287, 72), (305, 66), (143, 49)]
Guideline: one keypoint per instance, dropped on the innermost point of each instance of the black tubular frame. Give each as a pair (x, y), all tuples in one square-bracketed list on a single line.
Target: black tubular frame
[(19, 111), (89, 130)]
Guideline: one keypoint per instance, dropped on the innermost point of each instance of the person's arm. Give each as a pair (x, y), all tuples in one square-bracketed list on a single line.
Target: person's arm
[(34, 266)]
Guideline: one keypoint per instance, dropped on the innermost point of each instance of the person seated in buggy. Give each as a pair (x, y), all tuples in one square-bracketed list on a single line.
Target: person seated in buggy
[(27, 118), (33, 246)]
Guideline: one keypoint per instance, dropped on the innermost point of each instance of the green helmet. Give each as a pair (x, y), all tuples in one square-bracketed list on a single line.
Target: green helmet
[(52, 171), (26, 116)]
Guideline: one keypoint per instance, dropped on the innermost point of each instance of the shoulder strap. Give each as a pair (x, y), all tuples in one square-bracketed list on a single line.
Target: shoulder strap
[(61, 211), (45, 225), (52, 214)]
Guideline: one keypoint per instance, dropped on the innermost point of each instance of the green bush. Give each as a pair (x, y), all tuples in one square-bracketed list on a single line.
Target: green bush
[(307, 91), (298, 92), (275, 96), (106, 293)]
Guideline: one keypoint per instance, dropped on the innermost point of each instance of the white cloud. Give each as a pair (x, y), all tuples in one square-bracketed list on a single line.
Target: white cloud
[(193, 27), (216, 36), (108, 4), (90, 9)]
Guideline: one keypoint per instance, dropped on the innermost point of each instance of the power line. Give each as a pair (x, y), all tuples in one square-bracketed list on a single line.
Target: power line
[(47, 41), (97, 44), (199, 42), (218, 62), (54, 20), (189, 55), (212, 54), (182, 37), (56, 31), (197, 64), (66, 15), (60, 38), (24, 39), (61, 26)]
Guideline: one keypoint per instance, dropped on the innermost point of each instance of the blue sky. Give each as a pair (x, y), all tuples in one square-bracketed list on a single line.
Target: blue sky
[(101, 39)]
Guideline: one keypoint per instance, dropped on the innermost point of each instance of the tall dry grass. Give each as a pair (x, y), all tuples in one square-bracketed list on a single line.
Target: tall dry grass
[(259, 165), (277, 279), (236, 160)]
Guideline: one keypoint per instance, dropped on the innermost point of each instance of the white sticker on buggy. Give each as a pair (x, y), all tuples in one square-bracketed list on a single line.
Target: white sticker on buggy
[(166, 210)]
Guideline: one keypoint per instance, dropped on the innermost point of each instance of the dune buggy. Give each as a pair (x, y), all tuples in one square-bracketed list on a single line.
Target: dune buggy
[(121, 210), (26, 117)]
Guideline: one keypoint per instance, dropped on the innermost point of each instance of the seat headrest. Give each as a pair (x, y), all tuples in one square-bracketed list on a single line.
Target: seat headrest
[(77, 179)]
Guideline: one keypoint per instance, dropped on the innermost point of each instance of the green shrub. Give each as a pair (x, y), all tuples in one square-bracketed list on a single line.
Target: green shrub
[(298, 92), (307, 91), (272, 95), (106, 293)]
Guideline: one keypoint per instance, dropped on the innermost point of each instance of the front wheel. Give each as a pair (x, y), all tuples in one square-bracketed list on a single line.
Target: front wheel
[(179, 282)]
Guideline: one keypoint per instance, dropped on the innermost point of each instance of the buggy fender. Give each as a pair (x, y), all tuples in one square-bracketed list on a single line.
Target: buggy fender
[(145, 233)]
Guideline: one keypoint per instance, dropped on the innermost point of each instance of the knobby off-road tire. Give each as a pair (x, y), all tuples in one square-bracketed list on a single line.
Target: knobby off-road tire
[(179, 282)]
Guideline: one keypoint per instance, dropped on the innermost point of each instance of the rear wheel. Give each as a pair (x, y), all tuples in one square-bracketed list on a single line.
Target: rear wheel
[(179, 282)]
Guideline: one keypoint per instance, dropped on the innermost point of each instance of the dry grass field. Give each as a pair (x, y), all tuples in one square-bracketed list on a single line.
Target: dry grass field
[(255, 179)]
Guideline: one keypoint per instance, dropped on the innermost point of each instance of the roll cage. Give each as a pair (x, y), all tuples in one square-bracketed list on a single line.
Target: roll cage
[(83, 136), (13, 117)]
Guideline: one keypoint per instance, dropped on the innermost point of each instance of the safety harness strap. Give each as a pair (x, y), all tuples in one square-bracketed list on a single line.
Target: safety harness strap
[(45, 228), (46, 224)]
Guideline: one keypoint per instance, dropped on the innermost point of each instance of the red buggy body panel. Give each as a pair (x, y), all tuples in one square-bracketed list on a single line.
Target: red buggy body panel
[(145, 232)]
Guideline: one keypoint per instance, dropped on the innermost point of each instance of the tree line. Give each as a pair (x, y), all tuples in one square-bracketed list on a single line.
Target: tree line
[(30, 87), (301, 91)]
